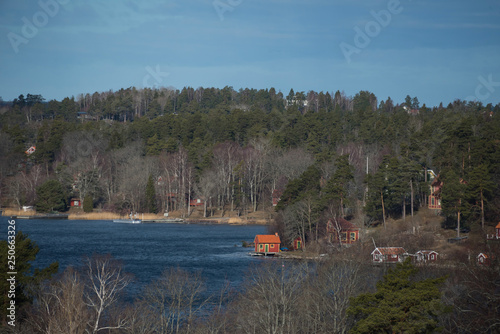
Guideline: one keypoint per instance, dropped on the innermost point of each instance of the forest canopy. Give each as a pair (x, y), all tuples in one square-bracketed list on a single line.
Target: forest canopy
[(336, 155)]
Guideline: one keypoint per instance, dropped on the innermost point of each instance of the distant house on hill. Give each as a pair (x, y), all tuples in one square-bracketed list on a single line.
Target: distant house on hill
[(267, 243), (495, 236), (435, 194), (276, 196), (341, 231), (389, 255), (484, 259), (424, 256)]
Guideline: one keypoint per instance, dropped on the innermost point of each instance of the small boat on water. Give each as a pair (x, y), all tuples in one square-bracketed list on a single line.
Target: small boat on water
[(132, 220), (128, 221)]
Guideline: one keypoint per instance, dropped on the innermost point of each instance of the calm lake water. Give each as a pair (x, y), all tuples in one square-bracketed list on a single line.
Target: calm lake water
[(146, 249)]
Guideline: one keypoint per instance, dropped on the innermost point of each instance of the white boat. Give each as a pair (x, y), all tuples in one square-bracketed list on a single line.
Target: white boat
[(128, 221)]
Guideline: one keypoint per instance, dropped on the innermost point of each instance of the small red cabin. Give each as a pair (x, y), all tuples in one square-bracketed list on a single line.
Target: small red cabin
[(297, 243), (266, 244), (388, 255), (75, 203), (196, 202), (424, 256), (340, 230)]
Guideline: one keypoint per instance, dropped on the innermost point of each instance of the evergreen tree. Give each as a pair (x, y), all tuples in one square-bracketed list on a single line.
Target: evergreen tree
[(453, 201), (88, 203), (50, 197), (151, 195), (480, 188), (26, 279), (305, 185), (337, 187), (401, 304)]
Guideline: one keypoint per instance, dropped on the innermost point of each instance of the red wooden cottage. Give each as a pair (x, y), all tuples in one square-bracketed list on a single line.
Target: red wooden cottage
[(267, 244), (389, 255), (435, 195), (297, 243), (423, 256), (75, 203), (340, 230), (196, 202)]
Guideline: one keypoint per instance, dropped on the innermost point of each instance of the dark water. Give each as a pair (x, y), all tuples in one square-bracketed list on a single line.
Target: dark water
[(146, 249)]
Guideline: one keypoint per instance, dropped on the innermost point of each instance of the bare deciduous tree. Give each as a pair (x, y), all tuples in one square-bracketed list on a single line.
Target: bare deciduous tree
[(269, 305), (174, 300), (105, 281)]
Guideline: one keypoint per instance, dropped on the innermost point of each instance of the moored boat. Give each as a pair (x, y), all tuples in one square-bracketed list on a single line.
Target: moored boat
[(128, 221)]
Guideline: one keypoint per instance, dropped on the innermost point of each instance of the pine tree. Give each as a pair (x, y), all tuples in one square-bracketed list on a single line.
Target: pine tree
[(479, 189), (50, 197), (27, 279), (453, 201), (88, 203), (337, 187), (151, 195), (401, 304)]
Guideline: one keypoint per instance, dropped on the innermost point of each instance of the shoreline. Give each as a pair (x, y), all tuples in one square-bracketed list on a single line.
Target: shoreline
[(147, 218)]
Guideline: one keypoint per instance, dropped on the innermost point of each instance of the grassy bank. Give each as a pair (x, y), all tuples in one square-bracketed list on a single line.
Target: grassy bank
[(258, 218)]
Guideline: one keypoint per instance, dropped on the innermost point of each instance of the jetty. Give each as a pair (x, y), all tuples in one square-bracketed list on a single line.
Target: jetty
[(42, 216)]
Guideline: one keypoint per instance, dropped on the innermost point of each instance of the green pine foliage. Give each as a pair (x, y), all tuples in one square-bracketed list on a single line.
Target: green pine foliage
[(88, 203), (50, 197), (27, 279), (151, 195), (460, 137), (401, 304), (306, 184)]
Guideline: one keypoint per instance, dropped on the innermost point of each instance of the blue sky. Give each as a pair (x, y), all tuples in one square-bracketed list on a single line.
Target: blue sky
[(438, 51)]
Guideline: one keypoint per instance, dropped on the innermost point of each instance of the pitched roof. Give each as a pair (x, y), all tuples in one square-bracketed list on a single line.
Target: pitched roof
[(498, 225), (426, 251), (390, 250), (267, 239), (344, 224)]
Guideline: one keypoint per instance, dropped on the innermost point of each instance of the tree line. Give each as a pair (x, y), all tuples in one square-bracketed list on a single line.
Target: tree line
[(327, 154)]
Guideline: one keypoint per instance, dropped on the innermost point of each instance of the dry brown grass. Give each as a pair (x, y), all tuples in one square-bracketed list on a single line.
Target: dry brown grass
[(16, 212), (110, 216)]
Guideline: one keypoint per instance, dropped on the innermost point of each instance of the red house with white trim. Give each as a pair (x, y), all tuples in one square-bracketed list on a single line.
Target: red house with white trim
[(435, 195), (423, 256), (75, 203), (389, 255), (267, 243), (341, 230), (496, 235)]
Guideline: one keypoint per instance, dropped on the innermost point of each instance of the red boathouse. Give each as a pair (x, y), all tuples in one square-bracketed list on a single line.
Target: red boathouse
[(267, 244)]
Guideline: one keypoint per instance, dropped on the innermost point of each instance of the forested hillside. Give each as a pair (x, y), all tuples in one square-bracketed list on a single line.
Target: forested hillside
[(324, 154)]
